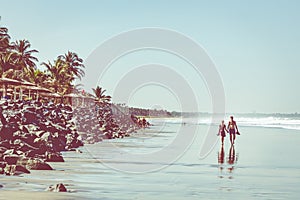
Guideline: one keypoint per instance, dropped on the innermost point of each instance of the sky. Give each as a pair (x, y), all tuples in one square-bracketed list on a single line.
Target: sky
[(255, 46)]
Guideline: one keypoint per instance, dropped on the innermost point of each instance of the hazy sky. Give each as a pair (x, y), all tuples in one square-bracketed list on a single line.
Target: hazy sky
[(255, 45)]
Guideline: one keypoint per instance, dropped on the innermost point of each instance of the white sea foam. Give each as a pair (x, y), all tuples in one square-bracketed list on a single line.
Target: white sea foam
[(273, 122), (256, 121)]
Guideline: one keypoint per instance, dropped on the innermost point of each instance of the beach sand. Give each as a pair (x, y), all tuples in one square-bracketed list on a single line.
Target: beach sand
[(265, 166)]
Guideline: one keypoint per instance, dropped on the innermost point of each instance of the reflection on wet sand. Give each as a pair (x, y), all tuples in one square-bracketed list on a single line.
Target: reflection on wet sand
[(221, 155), (231, 161)]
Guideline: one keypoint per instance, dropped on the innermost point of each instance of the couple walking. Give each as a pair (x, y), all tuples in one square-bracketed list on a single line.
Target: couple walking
[(232, 129)]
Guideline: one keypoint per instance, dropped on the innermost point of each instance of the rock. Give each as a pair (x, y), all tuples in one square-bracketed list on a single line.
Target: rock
[(10, 152), (54, 157), (127, 135), (29, 138), (57, 188), (4, 145), (2, 166), (32, 127), (22, 169), (78, 151), (37, 152), (29, 116), (24, 147), (6, 132), (24, 129), (73, 143), (12, 170), (11, 159), (44, 135), (17, 142), (34, 164)]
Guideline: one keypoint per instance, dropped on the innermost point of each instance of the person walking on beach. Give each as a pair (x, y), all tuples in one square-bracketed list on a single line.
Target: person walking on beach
[(222, 129), (233, 129)]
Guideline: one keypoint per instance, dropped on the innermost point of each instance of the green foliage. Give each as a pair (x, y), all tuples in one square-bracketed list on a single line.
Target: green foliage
[(100, 96), (17, 61), (16, 58)]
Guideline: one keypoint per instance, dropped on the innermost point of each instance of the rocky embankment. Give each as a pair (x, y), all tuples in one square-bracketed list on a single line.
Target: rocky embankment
[(32, 133), (103, 121)]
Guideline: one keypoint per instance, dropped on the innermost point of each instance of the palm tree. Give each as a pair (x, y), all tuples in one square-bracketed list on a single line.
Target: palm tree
[(59, 78), (63, 72), (38, 77), (57, 74), (6, 57), (100, 96), (4, 39), (7, 64), (24, 60), (73, 63)]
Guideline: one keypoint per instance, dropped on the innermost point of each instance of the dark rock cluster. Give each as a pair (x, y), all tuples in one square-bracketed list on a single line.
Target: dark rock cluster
[(32, 133), (103, 121), (60, 187)]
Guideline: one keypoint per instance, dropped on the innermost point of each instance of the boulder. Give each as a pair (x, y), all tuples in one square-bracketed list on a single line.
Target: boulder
[(6, 132), (2, 166), (40, 152), (54, 157), (11, 159), (57, 188), (10, 152), (4, 145), (34, 164), (29, 116), (13, 170), (28, 138)]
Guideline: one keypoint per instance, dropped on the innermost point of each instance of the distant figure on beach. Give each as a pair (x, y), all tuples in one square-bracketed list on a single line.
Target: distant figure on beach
[(233, 129), (144, 122), (222, 129)]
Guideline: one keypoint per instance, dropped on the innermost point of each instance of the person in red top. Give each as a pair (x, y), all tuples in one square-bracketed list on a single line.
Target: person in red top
[(222, 129), (233, 129)]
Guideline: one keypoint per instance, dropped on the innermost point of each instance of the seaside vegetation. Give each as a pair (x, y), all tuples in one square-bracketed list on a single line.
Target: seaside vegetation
[(18, 61)]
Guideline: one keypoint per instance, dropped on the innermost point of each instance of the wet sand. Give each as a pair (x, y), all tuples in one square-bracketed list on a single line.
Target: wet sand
[(265, 166)]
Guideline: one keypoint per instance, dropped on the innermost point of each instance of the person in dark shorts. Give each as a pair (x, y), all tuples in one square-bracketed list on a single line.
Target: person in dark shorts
[(222, 129), (233, 129)]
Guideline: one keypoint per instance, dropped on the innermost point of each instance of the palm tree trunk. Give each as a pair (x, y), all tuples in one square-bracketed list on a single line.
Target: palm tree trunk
[(5, 90), (21, 94), (15, 95)]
